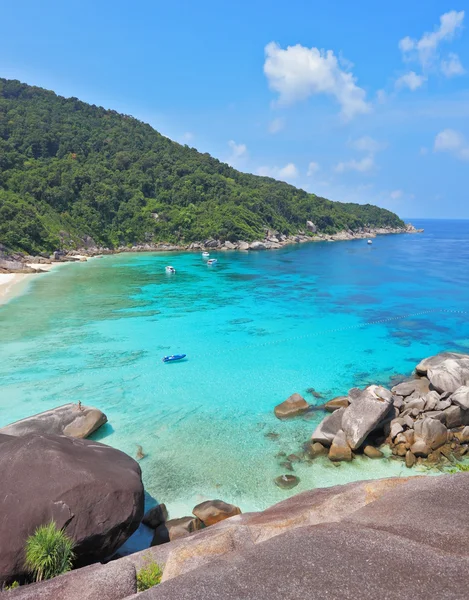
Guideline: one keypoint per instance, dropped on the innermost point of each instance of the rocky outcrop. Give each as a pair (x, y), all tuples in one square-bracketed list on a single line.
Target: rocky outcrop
[(420, 419), (340, 450), (213, 511), (293, 406), (93, 491), (412, 523), (70, 420)]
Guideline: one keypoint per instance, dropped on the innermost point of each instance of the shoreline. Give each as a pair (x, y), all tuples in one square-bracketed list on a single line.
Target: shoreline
[(17, 271), (13, 285)]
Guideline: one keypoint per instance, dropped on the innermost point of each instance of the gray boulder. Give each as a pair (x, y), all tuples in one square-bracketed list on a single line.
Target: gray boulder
[(257, 246), (453, 416), (69, 420), (461, 397), (175, 529), (310, 226), (406, 388), (450, 374), (155, 516), (435, 361), (431, 431), (93, 491), (365, 414), (431, 400), (326, 431)]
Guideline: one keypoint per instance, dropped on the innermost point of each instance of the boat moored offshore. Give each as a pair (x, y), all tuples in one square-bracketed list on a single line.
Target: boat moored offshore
[(170, 269), (212, 261)]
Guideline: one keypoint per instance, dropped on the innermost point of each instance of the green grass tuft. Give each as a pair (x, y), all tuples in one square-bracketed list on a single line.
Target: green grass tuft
[(49, 552)]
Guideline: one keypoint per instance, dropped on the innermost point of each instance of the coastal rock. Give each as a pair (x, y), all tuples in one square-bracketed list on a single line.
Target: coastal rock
[(406, 388), (69, 420), (293, 406), (410, 459), (213, 511), (420, 448), (243, 246), (155, 516), (336, 403), (461, 397), (449, 375), (229, 245), (431, 400), (395, 429), (340, 450), (463, 435), (418, 403), (175, 529), (257, 246), (326, 431), (431, 431), (437, 360), (286, 482), (317, 449), (310, 226), (453, 416), (365, 413), (372, 452), (93, 491), (115, 580)]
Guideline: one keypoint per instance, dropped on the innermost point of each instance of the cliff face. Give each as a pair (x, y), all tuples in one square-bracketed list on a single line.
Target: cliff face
[(390, 539)]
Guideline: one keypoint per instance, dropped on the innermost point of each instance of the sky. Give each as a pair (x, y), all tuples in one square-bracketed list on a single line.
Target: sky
[(359, 101)]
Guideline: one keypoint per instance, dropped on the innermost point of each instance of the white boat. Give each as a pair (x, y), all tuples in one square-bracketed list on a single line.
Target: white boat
[(170, 269), (205, 254), (370, 242), (212, 261)]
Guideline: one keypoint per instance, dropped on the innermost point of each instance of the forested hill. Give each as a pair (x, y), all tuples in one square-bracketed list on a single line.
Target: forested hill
[(70, 170)]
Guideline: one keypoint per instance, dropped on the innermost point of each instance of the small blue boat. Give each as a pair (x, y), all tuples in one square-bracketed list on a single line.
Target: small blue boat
[(174, 357)]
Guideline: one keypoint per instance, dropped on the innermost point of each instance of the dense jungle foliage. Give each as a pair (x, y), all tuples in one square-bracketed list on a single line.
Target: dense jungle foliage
[(70, 171)]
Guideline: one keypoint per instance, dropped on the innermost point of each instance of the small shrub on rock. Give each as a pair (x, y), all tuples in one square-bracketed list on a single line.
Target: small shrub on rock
[(149, 575), (49, 552)]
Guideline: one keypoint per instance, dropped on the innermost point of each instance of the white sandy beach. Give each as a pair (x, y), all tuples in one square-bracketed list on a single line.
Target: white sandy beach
[(12, 284)]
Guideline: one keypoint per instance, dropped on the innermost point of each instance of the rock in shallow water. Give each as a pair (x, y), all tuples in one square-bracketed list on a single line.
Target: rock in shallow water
[(340, 450), (212, 511), (155, 516), (287, 482), (293, 406)]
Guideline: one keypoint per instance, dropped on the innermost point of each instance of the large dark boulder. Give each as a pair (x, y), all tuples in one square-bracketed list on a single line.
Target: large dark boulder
[(95, 492)]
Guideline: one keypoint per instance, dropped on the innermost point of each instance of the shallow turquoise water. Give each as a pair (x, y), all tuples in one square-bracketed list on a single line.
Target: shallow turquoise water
[(256, 328)]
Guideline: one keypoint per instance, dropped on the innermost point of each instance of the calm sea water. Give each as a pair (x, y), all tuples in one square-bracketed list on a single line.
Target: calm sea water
[(256, 328)]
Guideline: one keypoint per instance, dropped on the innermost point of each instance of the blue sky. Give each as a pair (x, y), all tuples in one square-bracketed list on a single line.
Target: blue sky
[(357, 101)]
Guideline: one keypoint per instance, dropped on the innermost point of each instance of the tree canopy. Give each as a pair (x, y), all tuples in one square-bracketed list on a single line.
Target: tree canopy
[(70, 170)]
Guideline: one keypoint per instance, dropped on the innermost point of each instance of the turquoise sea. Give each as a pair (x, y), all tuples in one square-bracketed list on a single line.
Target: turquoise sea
[(256, 328)]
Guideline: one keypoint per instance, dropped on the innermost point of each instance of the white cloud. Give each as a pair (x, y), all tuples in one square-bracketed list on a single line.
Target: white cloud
[(313, 168), (286, 173), (276, 125), (452, 67), (297, 73), (411, 80), (365, 164), (367, 144), (237, 150), (453, 142), (396, 194), (425, 49)]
